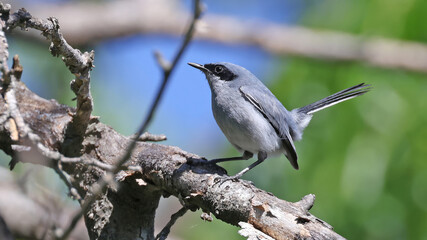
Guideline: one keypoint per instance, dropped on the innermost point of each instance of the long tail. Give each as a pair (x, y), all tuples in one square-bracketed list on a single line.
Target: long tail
[(336, 98), (303, 115)]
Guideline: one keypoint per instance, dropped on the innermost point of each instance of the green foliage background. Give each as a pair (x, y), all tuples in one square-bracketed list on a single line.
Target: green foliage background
[(364, 159)]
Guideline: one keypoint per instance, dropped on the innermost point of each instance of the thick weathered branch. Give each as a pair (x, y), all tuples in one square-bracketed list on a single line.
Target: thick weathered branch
[(165, 171), (94, 23)]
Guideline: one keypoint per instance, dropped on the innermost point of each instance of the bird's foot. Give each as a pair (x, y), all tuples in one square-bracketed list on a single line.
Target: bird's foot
[(222, 180), (197, 161), (234, 178)]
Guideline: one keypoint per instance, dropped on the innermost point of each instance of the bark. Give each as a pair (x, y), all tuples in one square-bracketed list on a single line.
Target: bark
[(127, 210)]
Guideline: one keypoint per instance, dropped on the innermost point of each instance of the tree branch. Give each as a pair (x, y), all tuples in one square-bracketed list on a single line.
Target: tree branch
[(168, 68), (79, 64), (165, 171)]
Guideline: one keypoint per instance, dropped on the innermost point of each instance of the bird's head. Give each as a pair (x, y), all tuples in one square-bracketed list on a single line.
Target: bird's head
[(223, 74)]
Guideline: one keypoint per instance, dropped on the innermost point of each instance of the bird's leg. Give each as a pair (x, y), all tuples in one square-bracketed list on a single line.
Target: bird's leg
[(261, 157), (246, 155)]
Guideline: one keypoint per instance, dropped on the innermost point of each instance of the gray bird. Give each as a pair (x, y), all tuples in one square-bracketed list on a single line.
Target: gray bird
[(253, 119)]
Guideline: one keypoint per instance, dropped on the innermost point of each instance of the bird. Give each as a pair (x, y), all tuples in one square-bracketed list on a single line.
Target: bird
[(253, 120)]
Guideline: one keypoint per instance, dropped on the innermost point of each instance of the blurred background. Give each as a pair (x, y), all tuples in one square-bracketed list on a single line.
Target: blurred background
[(365, 159)]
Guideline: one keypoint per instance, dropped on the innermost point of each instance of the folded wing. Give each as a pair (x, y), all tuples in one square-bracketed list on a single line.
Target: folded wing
[(271, 108)]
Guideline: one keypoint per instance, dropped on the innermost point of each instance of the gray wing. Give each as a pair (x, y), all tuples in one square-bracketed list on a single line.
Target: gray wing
[(271, 108)]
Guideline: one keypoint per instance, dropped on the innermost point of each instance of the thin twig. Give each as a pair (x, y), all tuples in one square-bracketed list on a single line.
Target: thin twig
[(166, 230), (103, 182), (168, 68), (96, 163), (167, 72), (68, 181), (80, 64)]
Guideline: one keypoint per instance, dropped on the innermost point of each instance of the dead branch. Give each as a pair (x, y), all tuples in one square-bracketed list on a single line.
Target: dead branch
[(165, 172), (79, 64)]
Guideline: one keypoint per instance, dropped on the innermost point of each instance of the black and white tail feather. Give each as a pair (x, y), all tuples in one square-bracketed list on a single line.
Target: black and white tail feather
[(304, 114), (336, 98)]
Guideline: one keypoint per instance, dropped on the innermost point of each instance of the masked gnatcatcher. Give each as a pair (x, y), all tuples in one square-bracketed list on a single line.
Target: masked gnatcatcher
[(252, 118)]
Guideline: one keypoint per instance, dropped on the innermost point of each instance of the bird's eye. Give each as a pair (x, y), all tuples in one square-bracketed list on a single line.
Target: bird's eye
[(219, 69)]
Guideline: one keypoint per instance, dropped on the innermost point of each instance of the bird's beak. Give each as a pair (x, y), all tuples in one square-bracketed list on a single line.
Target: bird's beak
[(198, 66)]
